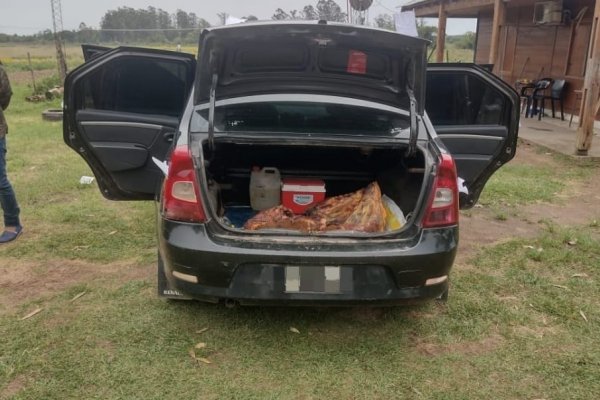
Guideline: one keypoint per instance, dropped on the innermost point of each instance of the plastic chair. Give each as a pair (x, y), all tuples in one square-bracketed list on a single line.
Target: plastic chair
[(524, 88), (537, 95), (556, 94)]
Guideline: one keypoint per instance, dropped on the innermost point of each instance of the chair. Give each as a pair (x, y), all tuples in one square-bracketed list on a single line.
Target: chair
[(524, 88), (537, 95), (556, 94)]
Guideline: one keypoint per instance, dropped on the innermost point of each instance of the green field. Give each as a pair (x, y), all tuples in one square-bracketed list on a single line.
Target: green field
[(14, 56), (522, 321)]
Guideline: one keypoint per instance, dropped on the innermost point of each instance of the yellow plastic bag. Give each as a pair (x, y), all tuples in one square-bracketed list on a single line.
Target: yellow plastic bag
[(394, 217)]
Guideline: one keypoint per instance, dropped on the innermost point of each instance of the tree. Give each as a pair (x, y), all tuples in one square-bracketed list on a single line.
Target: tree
[(466, 41), (426, 31), (126, 24), (202, 23), (250, 18), (280, 15), (183, 20), (326, 9), (309, 13), (86, 35), (385, 21), (130, 21), (329, 10)]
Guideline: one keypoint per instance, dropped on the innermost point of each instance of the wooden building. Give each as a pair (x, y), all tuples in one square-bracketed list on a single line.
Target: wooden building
[(533, 39)]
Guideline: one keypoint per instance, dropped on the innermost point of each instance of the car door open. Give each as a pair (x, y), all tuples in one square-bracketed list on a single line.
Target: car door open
[(476, 115), (122, 108), (93, 50)]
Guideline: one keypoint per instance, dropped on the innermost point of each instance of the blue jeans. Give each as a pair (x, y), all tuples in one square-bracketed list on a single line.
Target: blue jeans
[(8, 201)]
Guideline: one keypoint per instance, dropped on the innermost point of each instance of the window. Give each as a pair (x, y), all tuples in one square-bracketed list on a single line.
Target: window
[(136, 85), (271, 58), (302, 117), (459, 99)]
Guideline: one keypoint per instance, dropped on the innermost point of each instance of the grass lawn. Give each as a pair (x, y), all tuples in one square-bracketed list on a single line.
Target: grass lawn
[(63, 218), (522, 321)]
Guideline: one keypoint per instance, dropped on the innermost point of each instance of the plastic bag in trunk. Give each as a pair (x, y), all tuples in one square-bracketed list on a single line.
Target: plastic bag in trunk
[(360, 211)]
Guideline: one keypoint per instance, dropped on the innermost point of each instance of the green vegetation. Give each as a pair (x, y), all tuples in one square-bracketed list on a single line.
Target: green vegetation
[(465, 41), (518, 184), (62, 217), (519, 318)]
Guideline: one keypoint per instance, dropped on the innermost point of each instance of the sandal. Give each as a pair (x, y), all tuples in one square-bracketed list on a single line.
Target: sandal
[(9, 236)]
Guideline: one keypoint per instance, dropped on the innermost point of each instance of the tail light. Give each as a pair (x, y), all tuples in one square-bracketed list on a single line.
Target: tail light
[(181, 198), (442, 209)]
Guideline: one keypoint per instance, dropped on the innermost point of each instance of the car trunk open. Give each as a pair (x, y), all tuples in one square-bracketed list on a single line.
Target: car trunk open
[(343, 168), (309, 57)]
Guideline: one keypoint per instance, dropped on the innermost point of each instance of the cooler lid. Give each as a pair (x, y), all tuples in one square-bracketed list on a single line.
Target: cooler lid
[(303, 185)]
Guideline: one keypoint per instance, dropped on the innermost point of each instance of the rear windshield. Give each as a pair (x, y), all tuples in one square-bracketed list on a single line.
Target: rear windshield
[(302, 117)]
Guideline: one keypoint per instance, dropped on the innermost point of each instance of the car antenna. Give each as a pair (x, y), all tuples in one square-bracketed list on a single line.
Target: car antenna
[(414, 128), (211, 113)]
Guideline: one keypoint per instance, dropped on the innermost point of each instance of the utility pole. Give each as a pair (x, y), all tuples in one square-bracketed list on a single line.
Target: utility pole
[(57, 24)]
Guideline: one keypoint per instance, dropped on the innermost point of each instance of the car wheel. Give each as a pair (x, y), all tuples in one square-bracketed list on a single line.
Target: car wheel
[(161, 278), (443, 298)]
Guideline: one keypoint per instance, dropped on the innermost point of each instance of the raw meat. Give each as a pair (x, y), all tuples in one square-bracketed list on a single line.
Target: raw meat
[(361, 211), (369, 215), (283, 218)]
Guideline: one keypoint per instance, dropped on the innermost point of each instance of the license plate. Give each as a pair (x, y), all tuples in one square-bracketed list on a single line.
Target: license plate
[(317, 279)]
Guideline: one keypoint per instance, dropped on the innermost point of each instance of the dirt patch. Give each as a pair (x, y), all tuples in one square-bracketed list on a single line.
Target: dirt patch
[(15, 386), (22, 281), (477, 347), (528, 154), (537, 332), (579, 204), (367, 314)]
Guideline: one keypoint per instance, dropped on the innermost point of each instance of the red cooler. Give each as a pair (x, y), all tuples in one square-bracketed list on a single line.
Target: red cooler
[(301, 194)]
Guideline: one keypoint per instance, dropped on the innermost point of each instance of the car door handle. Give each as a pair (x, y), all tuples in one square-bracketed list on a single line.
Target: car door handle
[(169, 137)]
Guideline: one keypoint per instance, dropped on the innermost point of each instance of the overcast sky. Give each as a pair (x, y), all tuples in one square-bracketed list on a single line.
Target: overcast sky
[(31, 16)]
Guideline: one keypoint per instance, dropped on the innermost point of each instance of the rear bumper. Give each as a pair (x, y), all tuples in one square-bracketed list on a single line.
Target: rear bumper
[(254, 273)]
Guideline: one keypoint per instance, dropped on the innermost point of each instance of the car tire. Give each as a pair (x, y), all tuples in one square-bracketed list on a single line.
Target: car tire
[(53, 114), (443, 298), (161, 278)]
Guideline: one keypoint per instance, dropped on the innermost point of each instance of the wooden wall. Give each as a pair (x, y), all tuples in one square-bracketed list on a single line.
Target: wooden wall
[(528, 51), (484, 37)]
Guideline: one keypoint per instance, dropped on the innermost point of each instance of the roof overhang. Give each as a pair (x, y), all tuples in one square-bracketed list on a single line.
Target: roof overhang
[(453, 8)]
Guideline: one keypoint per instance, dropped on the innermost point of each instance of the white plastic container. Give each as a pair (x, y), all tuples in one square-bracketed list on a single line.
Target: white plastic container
[(265, 188)]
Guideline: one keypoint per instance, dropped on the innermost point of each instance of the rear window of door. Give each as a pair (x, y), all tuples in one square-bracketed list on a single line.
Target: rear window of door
[(464, 101), (136, 85)]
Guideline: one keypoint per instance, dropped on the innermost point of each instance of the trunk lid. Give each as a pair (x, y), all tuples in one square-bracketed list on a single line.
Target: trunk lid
[(311, 57)]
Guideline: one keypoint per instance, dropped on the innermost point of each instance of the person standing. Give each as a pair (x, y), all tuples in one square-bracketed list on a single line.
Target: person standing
[(8, 201)]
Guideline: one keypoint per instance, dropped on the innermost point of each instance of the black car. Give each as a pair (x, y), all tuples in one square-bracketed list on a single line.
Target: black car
[(346, 104)]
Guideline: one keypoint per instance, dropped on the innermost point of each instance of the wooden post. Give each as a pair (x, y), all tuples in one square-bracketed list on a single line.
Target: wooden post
[(441, 33), (32, 75), (591, 89), (498, 22)]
